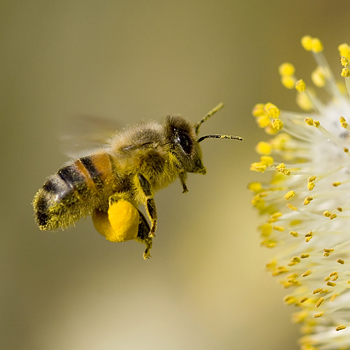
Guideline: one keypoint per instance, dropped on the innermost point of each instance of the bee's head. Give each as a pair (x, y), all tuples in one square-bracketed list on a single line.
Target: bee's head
[(184, 138)]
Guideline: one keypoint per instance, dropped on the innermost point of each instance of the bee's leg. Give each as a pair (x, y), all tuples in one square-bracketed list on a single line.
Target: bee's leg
[(183, 177), (150, 203), (143, 236)]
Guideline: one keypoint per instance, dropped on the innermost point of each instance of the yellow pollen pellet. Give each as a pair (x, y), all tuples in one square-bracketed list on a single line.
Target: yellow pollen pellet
[(304, 256), (340, 328), (307, 200), (310, 186), (292, 207), (309, 121), (331, 284), (300, 85), (306, 42), (294, 233), (344, 61), (345, 72), (336, 184), (344, 50), (307, 273), (319, 314), (319, 302), (263, 148), (288, 81), (341, 261), (316, 45), (289, 195)]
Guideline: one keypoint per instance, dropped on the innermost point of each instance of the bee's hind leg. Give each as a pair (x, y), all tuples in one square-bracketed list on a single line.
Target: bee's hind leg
[(143, 236), (150, 203)]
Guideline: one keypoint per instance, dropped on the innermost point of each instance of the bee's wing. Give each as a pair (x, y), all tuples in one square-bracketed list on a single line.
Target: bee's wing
[(86, 133)]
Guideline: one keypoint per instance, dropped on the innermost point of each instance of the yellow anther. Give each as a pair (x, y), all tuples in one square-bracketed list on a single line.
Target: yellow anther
[(304, 256), (336, 184), (271, 130), (309, 234), (319, 302), (333, 216), (333, 297), (292, 207), (331, 284), (318, 77), (316, 291), (258, 167), (306, 42), (340, 328), (307, 273), (286, 69), (308, 239), (328, 250), (266, 229), (294, 233), (295, 222), (304, 102), (288, 81), (310, 186), (341, 261), (263, 148), (295, 259), (263, 121), (307, 200), (327, 214), (316, 45), (344, 50), (346, 150), (277, 124), (340, 209), (289, 300), (289, 195), (258, 110), (272, 110), (345, 72), (276, 215), (316, 123), (278, 228), (309, 121), (319, 314), (255, 187), (344, 61), (343, 122), (300, 85), (267, 160), (311, 178)]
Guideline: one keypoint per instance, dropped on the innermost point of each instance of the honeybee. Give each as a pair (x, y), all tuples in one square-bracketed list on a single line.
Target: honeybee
[(111, 183)]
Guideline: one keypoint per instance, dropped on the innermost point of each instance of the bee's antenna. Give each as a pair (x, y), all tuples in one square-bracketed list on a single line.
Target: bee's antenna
[(219, 136), (208, 115)]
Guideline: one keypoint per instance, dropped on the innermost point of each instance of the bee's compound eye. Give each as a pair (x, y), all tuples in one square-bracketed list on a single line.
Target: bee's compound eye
[(184, 141)]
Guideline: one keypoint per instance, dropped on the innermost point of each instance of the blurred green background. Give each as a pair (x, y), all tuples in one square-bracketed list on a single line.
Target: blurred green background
[(205, 286)]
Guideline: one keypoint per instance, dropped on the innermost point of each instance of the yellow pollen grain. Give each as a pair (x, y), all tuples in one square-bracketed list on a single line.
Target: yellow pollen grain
[(310, 186), (304, 256), (289, 195), (340, 328), (300, 85), (307, 200), (277, 124), (306, 42), (341, 261), (336, 184), (344, 61), (343, 122), (292, 207), (288, 81), (307, 273), (344, 50), (319, 302), (319, 314), (309, 121), (345, 72), (263, 148)]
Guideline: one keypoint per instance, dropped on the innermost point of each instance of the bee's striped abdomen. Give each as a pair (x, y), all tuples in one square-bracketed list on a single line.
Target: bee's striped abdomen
[(75, 191)]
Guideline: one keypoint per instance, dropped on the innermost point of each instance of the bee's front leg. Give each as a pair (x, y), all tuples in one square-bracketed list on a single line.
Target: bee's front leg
[(150, 203), (183, 177)]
